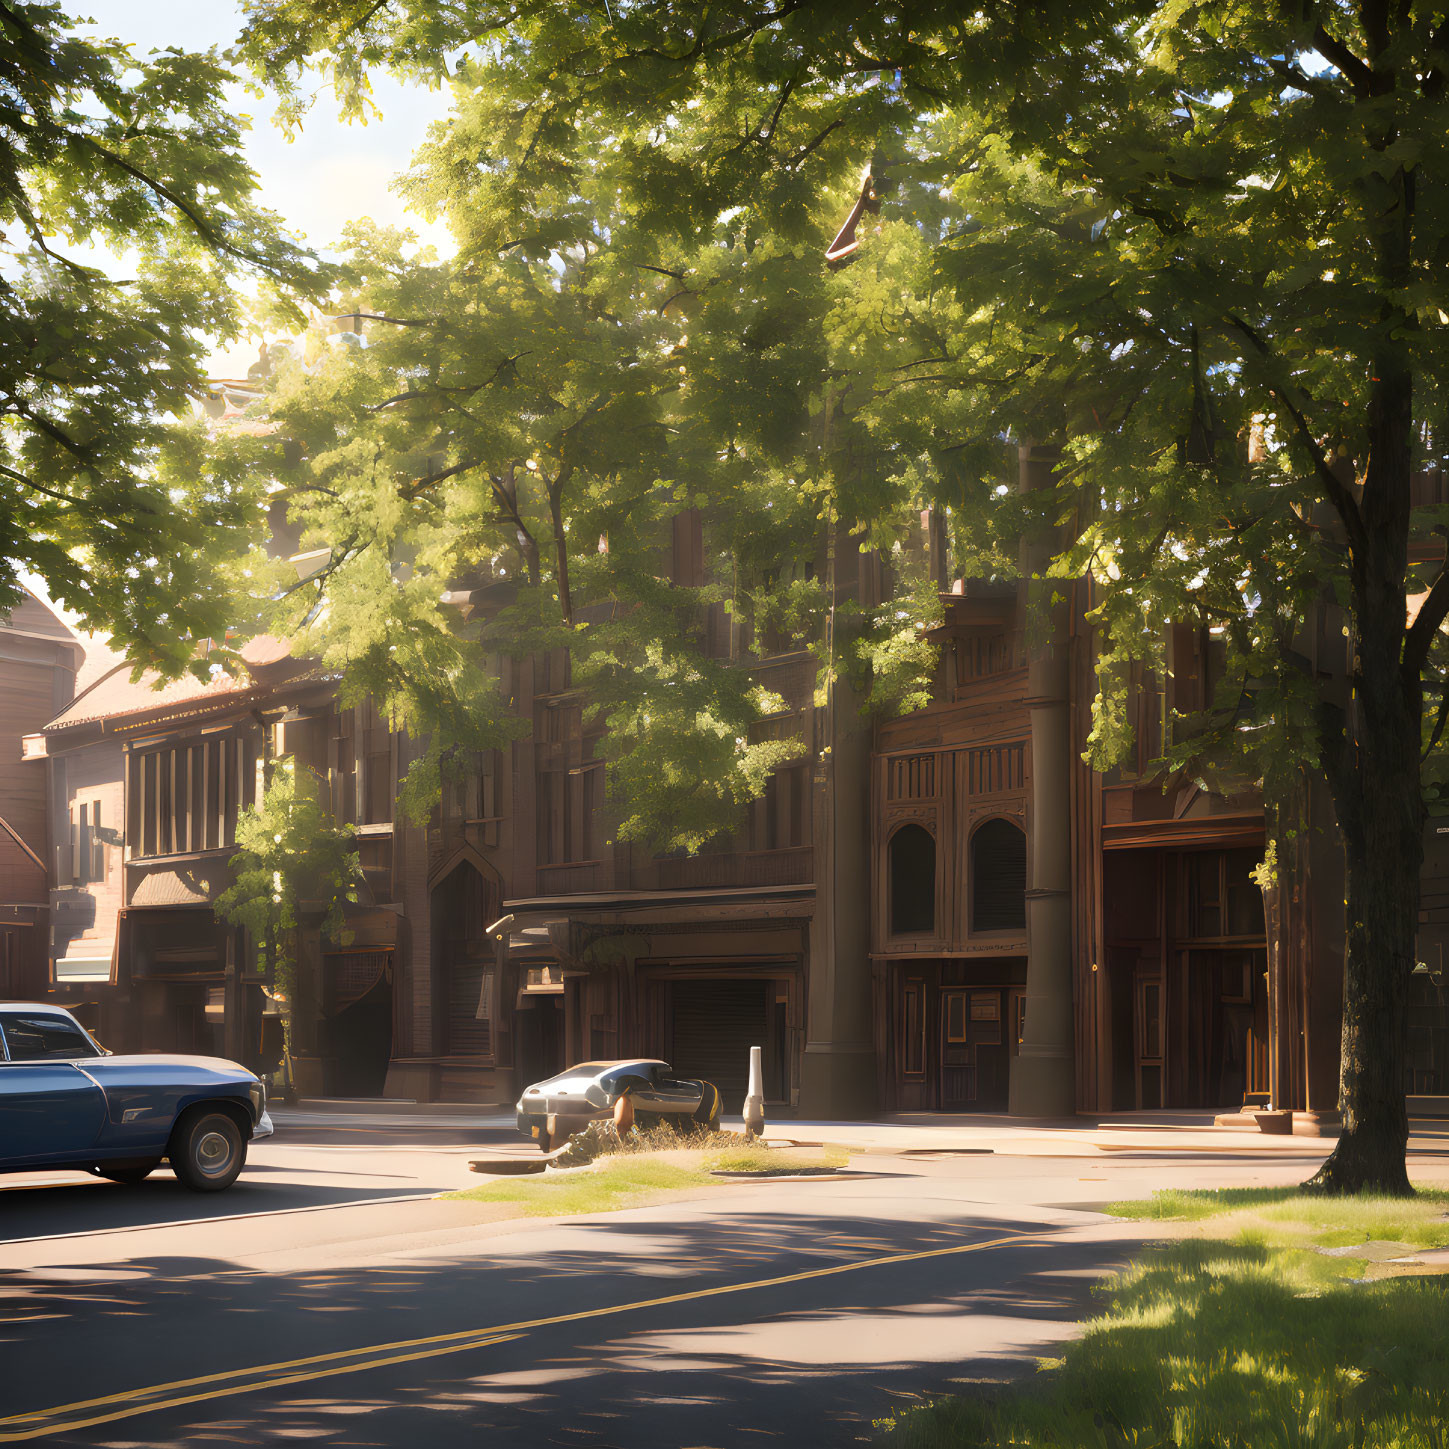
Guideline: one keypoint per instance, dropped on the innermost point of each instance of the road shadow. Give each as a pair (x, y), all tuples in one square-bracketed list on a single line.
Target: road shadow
[(807, 1362), (403, 1134), (65, 1209), (32, 1206)]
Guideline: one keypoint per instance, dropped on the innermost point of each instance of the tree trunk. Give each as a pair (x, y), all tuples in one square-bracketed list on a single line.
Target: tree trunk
[(1374, 770), (561, 542), (1384, 854)]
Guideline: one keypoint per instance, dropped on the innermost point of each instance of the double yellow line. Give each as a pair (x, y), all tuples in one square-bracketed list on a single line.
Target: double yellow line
[(67, 1418)]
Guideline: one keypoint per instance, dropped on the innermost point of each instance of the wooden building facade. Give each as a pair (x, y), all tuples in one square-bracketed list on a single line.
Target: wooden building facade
[(944, 912), (1184, 993), (39, 658)]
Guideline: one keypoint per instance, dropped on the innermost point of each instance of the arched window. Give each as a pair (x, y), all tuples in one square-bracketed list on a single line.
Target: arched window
[(998, 877), (913, 881)]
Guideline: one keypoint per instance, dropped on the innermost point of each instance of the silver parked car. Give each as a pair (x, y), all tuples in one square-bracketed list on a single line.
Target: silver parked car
[(592, 1091)]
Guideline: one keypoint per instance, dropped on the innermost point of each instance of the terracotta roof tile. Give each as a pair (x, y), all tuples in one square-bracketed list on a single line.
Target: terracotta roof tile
[(113, 695)]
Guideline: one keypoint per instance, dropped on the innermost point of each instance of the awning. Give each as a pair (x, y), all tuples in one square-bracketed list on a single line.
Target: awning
[(1223, 831), (529, 940), (181, 887)]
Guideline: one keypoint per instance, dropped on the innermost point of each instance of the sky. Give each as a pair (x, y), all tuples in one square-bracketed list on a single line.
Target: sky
[(330, 173)]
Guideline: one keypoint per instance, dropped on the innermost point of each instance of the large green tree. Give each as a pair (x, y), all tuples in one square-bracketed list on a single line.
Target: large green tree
[(141, 156), (496, 463), (1199, 246)]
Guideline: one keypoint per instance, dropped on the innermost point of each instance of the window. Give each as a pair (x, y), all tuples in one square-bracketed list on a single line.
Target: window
[(783, 821), (361, 772), (375, 766), (553, 672), (998, 877), (344, 767), (981, 655), (912, 881), (686, 566), (87, 844), (996, 769), (185, 797), (44, 1038), (911, 777), (10, 961), (568, 804), (472, 796)]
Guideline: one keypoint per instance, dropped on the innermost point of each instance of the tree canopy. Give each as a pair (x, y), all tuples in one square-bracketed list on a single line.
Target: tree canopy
[(1199, 247), (141, 155), (497, 465)]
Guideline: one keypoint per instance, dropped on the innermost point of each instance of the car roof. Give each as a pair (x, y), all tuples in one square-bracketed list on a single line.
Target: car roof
[(600, 1067), (34, 1006)]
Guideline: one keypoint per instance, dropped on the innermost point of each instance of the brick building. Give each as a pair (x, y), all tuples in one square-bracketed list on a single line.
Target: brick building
[(39, 658), (946, 911)]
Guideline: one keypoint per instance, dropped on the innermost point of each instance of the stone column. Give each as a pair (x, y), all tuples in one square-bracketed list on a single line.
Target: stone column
[(236, 1045), (309, 1069), (1043, 1076), (837, 1070)]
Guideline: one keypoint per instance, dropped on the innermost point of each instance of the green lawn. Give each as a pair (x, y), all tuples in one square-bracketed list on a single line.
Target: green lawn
[(1240, 1336), (631, 1179)]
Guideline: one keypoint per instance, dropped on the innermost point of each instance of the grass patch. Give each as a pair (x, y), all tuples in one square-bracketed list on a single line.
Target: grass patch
[(1285, 1217), (622, 1181), (1171, 1205), (634, 1177), (1237, 1336), (773, 1161)]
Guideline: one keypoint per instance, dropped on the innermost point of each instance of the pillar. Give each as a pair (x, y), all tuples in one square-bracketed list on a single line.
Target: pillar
[(837, 1069), (1043, 1075)]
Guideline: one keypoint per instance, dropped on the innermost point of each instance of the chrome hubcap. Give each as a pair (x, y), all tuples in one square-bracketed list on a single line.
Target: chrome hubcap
[(213, 1153)]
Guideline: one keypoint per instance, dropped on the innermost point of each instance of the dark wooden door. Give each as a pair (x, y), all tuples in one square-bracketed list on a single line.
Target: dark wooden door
[(977, 1041), (958, 1060)]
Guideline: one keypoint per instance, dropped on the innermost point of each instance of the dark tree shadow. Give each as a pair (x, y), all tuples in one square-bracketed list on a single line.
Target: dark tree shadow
[(805, 1363)]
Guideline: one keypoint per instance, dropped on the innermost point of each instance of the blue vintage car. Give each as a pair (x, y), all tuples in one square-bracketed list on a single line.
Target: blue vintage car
[(67, 1103)]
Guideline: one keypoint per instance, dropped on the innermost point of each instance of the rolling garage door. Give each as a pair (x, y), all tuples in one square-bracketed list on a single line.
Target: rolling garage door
[(715, 1023)]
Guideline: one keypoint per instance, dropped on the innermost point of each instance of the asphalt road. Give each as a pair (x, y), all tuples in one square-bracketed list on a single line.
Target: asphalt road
[(330, 1296)]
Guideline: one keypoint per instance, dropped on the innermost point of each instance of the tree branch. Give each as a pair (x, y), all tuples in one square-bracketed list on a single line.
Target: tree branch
[(396, 321), (1337, 760), (30, 483), (1355, 71), (805, 151), (420, 485), (1441, 719), (1420, 634), (561, 542), (204, 227), (442, 388), (1333, 487), (505, 490), (767, 134)]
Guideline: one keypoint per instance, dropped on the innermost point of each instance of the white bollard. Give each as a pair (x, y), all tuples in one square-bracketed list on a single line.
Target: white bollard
[(755, 1097)]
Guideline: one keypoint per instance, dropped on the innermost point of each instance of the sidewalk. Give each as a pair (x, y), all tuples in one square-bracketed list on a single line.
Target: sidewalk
[(921, 1134), (928, 1135)]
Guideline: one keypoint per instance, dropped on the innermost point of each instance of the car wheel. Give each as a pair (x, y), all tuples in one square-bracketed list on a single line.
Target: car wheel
[(706, 1115), (207, 1150), (130, 1176)]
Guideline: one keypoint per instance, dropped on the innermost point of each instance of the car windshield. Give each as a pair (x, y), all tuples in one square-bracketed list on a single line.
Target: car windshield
[(603, 1071), (584, 1069), (38, 1038)]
